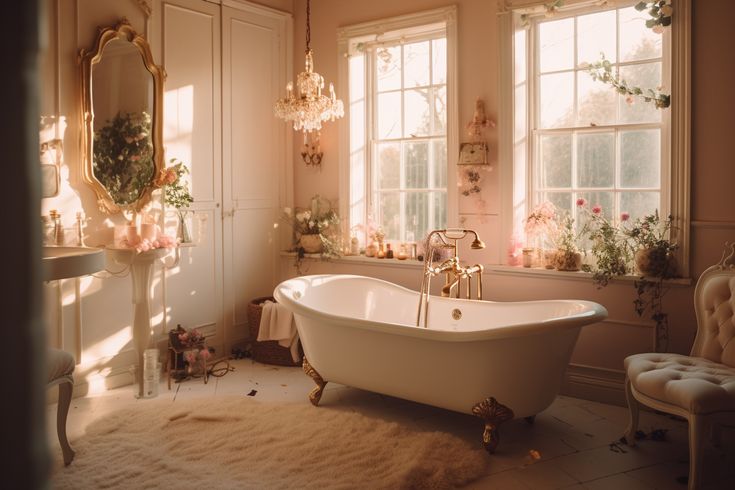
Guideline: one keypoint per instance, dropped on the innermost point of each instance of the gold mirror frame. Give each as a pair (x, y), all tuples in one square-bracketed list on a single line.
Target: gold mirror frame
[(87, 59)]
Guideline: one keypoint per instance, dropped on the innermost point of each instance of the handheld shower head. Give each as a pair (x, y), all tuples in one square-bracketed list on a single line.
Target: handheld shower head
[(477, 244)]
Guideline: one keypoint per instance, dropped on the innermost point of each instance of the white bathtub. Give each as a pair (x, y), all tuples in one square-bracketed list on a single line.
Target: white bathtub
[(361, 332)]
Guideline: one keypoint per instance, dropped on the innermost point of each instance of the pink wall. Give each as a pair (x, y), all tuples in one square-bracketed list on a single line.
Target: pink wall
[(713, 168)]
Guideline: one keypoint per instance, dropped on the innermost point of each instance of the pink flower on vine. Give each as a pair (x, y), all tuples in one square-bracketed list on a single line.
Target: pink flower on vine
[(597, 209), (624, 216), (581, 202)]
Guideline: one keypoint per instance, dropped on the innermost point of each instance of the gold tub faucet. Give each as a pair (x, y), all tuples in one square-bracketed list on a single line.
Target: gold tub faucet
[(447, 239)]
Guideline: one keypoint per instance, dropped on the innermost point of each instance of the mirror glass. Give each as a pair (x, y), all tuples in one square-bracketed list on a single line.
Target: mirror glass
[(122, 96), (122, 91)]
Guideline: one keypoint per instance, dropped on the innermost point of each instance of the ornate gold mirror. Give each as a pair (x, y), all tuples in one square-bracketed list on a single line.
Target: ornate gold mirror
[(122, 92)]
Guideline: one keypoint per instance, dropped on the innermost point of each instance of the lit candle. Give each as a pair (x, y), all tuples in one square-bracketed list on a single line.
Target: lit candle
[(289, 90)]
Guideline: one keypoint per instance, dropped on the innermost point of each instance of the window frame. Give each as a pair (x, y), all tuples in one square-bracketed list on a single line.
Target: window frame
[(353, 203), (517, 174)]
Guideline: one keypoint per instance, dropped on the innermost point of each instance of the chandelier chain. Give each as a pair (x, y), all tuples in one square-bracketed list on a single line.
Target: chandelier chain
[(308, 24)]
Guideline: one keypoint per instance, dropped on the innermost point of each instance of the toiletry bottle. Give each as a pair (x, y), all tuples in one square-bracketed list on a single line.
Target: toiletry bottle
[(402, 252), (354, 246), (388, 252), (80, 230), (47, 225), (58, 228)]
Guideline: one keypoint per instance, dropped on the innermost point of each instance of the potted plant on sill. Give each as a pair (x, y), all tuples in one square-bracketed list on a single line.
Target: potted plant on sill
[(650, 238), (568, 257), (316, 230), (608, 245)]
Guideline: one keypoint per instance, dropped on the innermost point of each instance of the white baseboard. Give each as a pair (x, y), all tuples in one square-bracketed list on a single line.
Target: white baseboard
[(595, 383)]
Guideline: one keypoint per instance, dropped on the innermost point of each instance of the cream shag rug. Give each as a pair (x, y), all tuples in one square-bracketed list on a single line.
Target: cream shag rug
[(241, 443)]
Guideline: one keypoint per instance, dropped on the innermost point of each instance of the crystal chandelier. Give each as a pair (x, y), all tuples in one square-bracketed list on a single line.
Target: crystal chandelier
[(310, 107)]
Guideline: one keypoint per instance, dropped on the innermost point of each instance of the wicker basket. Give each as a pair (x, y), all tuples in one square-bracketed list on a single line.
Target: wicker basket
[(268, 352)]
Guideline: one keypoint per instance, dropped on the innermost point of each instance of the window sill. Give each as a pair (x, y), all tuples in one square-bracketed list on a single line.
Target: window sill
[(495, 269), (362, 260), (517, 270)]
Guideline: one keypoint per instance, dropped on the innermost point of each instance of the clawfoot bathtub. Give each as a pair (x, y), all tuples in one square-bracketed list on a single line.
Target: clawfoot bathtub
[(496, 360)]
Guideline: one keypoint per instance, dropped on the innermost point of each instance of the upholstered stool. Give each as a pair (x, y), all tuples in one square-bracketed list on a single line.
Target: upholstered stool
[(700, 386), (60, 366)]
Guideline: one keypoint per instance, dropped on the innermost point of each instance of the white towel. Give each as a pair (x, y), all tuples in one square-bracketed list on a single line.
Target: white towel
[(277, 323)]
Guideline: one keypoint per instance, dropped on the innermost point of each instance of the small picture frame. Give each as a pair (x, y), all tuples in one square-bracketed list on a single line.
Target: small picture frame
[(473, 154)]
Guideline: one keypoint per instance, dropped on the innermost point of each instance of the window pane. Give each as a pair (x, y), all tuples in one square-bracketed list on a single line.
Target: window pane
[(596, 101), (557, 100), (637, 42), (389, 115), (440, 110), (390, 214), (556, 161), (439, 55), (440, 164), (596, 160), (389, 166), (562, 200), (416, 158), (417, 213), (416, 64), (645, 76), (388, 67), (640, 158), (638, 204), (416, 113), (440, 210), (595, 35), (556, 41)]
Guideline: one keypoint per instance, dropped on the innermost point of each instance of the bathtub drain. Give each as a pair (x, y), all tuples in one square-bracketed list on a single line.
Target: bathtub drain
[(456, 314)]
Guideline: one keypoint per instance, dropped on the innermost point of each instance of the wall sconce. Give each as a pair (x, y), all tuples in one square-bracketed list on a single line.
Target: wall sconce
[(312, 153)]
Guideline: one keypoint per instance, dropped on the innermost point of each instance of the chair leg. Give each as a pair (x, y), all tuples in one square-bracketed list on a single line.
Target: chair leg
[(634, 409), (698, 432), (61, 413)]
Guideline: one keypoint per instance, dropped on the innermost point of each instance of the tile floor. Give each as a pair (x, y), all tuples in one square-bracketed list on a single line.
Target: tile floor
[(573, 437)]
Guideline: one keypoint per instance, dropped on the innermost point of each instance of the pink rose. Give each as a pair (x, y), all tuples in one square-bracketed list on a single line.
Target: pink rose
[(624, 216), (597, 209), (581, 202), (170, 176), (205, 354)]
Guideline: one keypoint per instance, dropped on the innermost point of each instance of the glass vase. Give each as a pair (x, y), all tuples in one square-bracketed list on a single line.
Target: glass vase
[(182, 233)]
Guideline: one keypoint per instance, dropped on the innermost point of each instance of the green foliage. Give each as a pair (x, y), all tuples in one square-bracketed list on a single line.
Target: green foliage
[(319, 219), (602, 70), (660, 12), (609, 247), (176, 191), (123, 156)]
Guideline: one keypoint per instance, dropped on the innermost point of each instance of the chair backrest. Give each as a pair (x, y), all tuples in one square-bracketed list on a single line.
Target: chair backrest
[(714, 304)]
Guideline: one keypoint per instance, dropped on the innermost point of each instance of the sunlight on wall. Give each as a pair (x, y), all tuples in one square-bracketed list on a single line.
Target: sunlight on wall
[(109, 347), (179, 122)]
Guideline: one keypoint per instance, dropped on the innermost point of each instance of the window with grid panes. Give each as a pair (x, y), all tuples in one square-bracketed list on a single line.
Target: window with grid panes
[(588, 141), (408, 161)]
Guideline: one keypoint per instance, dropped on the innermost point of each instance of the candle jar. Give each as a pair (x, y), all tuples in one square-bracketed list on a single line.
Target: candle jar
[(528, 256)]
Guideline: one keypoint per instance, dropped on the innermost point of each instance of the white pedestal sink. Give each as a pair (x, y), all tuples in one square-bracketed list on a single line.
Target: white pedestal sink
[(67, 262), (141, 266)]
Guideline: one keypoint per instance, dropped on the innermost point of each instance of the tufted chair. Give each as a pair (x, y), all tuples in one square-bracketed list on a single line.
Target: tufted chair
[(700, 386)]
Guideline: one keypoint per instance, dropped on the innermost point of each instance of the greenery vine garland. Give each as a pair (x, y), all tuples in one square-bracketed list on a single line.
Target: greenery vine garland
[(602, 71), (660, 12)]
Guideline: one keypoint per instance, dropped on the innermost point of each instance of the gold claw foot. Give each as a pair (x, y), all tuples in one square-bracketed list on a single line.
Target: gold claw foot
[(316, 394), (494, 414)]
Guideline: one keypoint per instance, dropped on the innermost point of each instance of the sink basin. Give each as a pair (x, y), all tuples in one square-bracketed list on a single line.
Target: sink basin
[(66, 262)]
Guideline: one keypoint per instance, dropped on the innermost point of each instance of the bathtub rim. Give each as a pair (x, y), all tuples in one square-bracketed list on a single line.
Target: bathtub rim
[(595, 313)]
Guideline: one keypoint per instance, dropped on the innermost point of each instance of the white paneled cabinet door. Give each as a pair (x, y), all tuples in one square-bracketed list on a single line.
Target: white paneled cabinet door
[(254, 154), (191, 52)]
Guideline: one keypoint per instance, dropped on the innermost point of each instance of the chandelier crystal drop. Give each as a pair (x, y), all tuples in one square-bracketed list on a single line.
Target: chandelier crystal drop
[(307, 107)]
